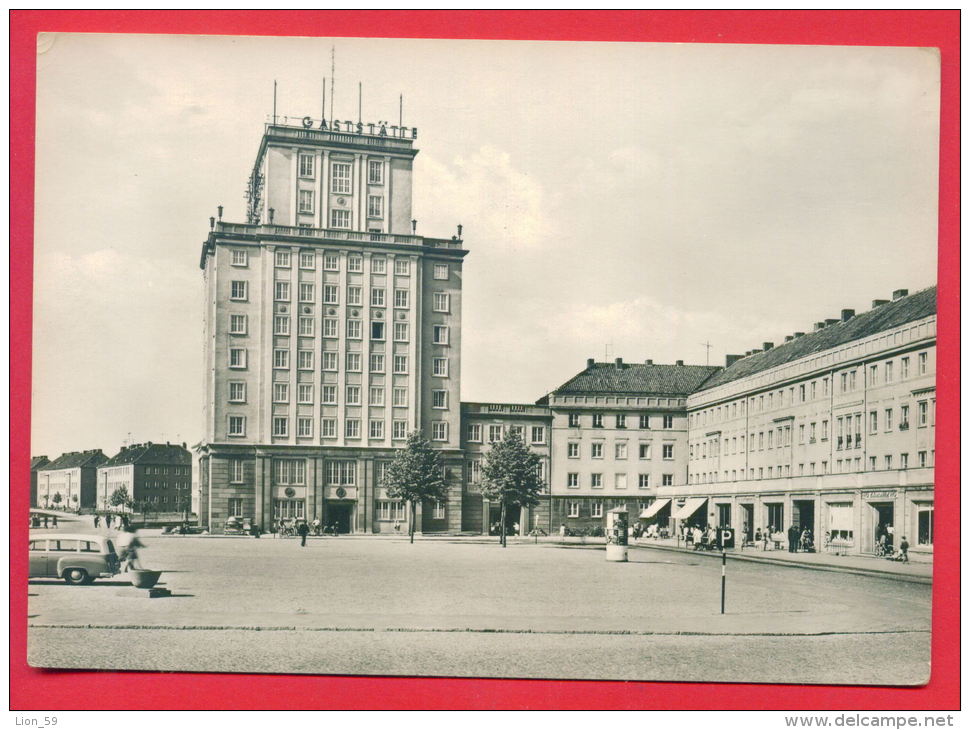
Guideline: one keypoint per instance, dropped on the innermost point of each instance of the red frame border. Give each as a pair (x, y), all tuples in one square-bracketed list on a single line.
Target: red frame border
[(34, 689)]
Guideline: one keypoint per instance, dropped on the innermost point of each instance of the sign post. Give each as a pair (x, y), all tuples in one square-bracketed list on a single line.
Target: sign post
[(723, 577)]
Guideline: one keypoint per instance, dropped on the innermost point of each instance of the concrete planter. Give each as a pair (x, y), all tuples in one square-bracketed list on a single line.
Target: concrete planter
[(145, 578)]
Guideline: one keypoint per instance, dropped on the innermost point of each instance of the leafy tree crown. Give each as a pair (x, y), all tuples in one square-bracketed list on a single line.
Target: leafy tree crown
[(415, 473), (510, 472)]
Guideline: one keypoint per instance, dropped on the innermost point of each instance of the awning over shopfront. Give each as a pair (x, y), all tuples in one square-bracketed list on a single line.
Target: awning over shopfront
[(654, 509), (689, 508)]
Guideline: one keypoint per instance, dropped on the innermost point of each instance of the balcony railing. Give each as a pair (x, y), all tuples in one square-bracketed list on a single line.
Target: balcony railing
[(323, 135), (334, 234)]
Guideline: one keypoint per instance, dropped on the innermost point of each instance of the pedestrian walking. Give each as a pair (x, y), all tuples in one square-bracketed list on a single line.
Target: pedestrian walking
[(45, 522), (793, 539), (303, 529), (903, 554), (54, 521), (97, 521), (107, 520)]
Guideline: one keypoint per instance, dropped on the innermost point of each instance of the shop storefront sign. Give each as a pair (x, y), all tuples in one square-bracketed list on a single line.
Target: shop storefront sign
[(880, 494)]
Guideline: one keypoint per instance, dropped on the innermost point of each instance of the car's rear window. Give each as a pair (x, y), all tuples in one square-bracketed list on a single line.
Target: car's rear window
[(38, 544), (90, 547), (64, 546)]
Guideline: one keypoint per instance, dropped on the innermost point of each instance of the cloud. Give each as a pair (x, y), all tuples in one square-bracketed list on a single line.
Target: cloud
[(501, 205)]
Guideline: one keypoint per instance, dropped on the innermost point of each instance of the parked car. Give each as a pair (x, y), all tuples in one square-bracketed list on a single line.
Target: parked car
[(78, 559)]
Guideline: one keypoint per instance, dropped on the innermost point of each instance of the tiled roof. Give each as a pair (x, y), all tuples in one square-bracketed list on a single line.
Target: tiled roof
[(601, 377), (38, 461), (905, 309), (151, 454), (74, 459)]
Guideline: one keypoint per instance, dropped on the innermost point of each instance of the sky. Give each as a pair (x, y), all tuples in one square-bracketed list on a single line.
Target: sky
[(622, 199)]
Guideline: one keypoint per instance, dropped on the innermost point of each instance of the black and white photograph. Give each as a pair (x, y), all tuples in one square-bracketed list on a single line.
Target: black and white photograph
[(499, 359)]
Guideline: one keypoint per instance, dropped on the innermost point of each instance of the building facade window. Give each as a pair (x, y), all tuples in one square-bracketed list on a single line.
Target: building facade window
[(375, 172), (441, 272), (237, 358), (239, 291), (339, 218), (281, 426), (237, 324), (341, 177), (375, 206), (439, 431)]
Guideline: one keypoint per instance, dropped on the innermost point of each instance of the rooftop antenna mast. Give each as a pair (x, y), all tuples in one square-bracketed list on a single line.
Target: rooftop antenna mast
[(400, 114), (708, 346), (323, 104), (360, 102), (333, 85), (274, 101)]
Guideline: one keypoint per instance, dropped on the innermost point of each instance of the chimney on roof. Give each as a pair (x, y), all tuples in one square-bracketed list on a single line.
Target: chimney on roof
[(819, 326), (847, 314), (748, 353), (729, 360), (799, 334), (767, 345), (590, 362), (830, 321), (183, 445), (900, 293), (648, 362), (879, 302), (755, 352), (618, 362), (789, 338), (680, 362)]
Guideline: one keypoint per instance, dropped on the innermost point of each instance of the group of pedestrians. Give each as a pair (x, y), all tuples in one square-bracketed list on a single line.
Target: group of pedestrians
[(122, 521), (798, 540)]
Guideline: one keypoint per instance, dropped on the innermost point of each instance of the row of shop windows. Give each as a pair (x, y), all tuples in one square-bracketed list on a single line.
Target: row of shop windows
[(385, 510)]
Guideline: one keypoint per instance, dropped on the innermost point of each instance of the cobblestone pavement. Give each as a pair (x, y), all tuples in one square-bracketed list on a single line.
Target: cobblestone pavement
[(468, 608)]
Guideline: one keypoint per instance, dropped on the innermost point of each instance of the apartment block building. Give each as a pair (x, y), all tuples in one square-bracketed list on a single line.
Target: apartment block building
[(331, 332), (68, 482), (832, 430), (159, 475), (619, 433)]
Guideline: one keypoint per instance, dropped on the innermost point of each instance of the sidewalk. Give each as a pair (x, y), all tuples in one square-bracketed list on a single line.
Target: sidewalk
[(917, 572)]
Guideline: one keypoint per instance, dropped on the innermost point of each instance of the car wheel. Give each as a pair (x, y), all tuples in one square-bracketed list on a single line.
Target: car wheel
[(76, 576)]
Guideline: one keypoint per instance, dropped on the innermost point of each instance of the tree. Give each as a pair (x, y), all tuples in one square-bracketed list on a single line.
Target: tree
[(56, 499), (120, 498), (510, 475), (415, 474), (183, 504)]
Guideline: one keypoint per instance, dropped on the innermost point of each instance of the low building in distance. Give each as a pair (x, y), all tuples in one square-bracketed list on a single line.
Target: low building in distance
[(484, 424), (36, 462), (159, 475), (68, 482)]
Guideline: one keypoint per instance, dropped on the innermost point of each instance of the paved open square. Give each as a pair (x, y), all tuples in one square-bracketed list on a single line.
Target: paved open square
[(460, 607)]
